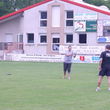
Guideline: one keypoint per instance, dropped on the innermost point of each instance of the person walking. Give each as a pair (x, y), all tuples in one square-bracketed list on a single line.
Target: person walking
[(104, 67)]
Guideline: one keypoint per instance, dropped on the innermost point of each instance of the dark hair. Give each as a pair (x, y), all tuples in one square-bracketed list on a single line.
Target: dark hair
[(107, 47)]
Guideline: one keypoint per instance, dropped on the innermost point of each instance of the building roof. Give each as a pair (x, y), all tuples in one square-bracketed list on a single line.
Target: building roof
[(80, 4)]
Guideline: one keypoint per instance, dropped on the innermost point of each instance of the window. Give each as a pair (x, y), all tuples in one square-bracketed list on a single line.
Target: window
[(56, 16), (106, 31), (43, 15), (43, 23), (69, 18), (43, 19), (43, 39), (30, 38), (3, 46), (69, 22), (55, 42), (20, 38), (69, 38), (82, 38), (69, 14)]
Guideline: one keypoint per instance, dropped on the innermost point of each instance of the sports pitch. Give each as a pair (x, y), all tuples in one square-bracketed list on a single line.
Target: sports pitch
[(40, 86)]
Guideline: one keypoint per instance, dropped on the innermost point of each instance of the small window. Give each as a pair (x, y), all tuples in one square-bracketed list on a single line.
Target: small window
[(69, 22), (69, 14), (82, 38), (106, 31), (56, 40), (69, 18), (43, 39), (30, 38), (20, 38), (3, 46), (69, 38), (43, 15), (43, 23), (43, 19)]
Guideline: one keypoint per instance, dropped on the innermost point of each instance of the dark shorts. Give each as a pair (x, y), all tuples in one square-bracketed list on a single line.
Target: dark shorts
[(67, 67), (105, 71)]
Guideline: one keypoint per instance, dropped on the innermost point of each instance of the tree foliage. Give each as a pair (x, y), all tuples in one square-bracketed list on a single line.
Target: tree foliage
[(8, 6), (99, 2)]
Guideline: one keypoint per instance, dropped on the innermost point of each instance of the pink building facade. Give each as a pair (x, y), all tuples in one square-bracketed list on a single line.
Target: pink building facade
[(40, 29)]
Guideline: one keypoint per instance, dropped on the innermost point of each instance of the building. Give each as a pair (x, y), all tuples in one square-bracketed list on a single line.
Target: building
[(41, 28)]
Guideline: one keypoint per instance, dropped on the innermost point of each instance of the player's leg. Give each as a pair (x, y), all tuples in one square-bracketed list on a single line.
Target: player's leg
[(69, 70), (108, 75), (100, 78), (99, 83), (65, 69)]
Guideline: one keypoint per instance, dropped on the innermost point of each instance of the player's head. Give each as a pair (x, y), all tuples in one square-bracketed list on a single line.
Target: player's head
[(69, 47), (107, 47)]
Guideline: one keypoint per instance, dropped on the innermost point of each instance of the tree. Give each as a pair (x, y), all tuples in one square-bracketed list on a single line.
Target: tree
[(8, 6), (99, 2)]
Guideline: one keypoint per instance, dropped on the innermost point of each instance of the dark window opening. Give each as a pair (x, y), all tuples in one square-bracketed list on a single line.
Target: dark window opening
[(106, 31), (69, 38), (69, 22), (43, 39), (69, 14), (56, 40), (30, 38), (43, 15), (82, 38), (43, 23)]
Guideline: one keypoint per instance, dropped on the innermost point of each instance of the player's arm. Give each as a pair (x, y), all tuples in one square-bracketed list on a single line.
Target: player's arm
[(100, 63)]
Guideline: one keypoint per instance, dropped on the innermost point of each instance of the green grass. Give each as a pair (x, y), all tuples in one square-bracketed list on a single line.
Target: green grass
[(40, 86)]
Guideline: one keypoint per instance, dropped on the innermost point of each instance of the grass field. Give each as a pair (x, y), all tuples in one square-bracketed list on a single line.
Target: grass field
[(40, 86)]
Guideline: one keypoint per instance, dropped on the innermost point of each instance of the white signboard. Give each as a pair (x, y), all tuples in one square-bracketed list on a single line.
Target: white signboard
[(85, 16), (80, 26), (82, 50)]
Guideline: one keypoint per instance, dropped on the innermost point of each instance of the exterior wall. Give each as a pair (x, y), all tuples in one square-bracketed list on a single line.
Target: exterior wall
[(32, 25), (12, 26)]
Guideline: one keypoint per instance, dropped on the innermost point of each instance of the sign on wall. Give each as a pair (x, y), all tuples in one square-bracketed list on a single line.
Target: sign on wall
[(91, 26), (80, 26), (85, 16)]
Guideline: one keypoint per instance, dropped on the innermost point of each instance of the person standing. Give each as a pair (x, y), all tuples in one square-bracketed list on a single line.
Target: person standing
[(104, 67), (68, 61)]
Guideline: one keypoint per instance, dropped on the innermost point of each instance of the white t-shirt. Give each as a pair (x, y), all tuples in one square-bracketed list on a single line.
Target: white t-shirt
[(68, 59)]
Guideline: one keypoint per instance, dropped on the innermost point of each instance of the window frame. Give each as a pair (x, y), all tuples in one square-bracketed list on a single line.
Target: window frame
[(66, 39), (67, 19), (85, 39), (43, 19), (41, 35), (106, 33), (56, 43), (30, 41)]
